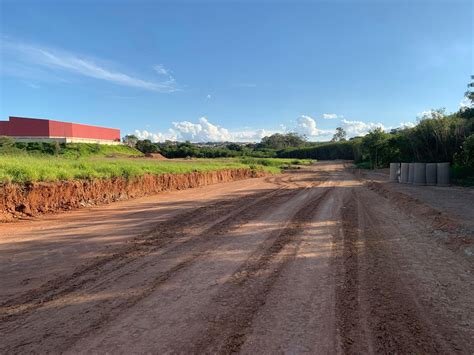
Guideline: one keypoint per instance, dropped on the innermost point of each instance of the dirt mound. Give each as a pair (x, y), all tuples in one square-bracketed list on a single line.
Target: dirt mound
[(49, 197), (156, 156)]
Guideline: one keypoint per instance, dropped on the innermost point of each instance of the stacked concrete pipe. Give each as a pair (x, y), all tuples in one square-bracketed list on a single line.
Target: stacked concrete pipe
[(419, 174), (404, 173), (394, 167), (411, 173), (442, 174), (431, 173)]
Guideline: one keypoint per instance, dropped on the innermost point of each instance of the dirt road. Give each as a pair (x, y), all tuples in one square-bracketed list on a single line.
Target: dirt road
[(308, 261)]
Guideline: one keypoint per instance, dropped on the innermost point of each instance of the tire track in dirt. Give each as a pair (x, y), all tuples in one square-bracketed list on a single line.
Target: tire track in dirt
[(107, 312), (376, 313), (400, 318), (459, 235), (202, 281), (234, 308), (348, 309), (161, 234)]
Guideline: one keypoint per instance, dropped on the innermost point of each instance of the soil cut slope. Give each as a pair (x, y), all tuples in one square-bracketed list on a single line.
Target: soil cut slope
[(47, 197)]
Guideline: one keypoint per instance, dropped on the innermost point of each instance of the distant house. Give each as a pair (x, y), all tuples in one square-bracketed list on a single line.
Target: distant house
[(24, 129)]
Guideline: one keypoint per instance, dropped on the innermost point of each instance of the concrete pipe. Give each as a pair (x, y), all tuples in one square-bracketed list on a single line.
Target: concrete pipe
[(419, 177), (411, 173), (443, 174), (431, 172), (404, 173), (394, 167)]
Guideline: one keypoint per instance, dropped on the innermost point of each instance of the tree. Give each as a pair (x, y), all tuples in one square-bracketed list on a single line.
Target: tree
[(146, 146), (433, 114), (466, 156), (339, 136), (376, 145), (234, 146), (130, 140), (280, 141)]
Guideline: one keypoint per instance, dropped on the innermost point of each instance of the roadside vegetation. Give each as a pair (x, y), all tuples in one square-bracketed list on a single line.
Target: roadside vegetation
[(44, 168), (438, 136), (23, 165), (71, 150)]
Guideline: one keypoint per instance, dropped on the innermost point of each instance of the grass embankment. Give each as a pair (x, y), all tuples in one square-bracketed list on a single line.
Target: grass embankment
[(70, 150), (30, 168)]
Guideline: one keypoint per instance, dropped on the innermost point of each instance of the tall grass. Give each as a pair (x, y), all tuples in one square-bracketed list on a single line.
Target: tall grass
[(27, 168), (70, 150)]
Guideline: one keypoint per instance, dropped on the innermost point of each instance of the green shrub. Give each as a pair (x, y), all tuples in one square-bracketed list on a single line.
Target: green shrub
[(321, 151)]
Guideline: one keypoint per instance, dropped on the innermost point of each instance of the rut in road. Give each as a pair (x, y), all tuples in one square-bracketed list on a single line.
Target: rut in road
[(171, 230), (191, 236), (234, 307), (380, 306)]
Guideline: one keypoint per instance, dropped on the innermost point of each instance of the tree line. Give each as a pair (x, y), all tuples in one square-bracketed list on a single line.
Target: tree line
[(437, 137)]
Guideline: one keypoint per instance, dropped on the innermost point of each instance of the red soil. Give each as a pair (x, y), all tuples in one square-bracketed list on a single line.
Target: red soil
[(18, 200)]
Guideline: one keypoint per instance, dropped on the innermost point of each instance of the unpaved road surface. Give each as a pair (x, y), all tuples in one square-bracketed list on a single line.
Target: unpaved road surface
[(310, 261)]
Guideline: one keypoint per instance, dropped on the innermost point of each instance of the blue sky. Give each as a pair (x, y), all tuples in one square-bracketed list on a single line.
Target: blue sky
[(234, 70)]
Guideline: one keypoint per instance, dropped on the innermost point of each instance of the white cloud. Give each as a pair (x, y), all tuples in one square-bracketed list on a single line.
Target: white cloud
[(208, 96), (306, 125), (250, 135), (359, 128), (161, 70), (154, 137), (407, 124), (59, 60), (203, 131), (430, 114), (330, 116)]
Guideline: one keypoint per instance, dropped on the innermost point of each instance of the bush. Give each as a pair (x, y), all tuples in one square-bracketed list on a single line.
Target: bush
[(323, 151), (466, 156)]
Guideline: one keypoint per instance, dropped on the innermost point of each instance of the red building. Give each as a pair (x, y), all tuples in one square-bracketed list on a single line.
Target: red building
[(42, 130)]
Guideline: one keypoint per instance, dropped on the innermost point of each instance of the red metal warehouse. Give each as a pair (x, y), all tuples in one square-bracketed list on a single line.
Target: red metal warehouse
[(24, 129)]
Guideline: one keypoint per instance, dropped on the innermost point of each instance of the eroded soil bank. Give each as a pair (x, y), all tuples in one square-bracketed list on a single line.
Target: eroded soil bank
[(19, 200)]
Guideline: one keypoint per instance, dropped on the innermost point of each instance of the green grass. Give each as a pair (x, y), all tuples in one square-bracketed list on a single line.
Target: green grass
[(275, 162), (28, 168), (70, 150), (84, 150)]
